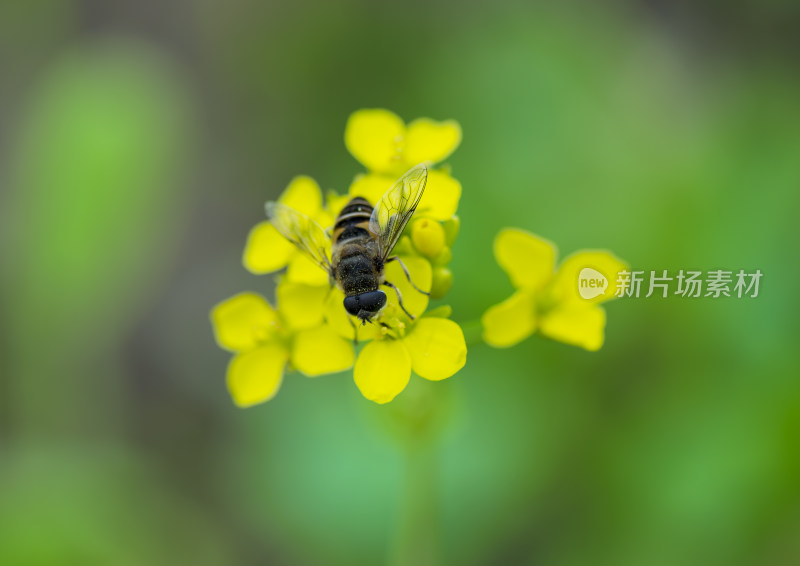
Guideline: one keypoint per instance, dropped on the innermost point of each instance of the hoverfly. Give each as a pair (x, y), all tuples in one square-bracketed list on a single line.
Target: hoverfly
[(361, 240)]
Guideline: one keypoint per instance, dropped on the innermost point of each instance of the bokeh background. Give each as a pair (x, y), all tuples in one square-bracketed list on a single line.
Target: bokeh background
[(138, 142)]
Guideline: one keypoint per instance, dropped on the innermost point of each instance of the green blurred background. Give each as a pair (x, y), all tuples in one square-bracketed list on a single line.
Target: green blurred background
[(138, 142)]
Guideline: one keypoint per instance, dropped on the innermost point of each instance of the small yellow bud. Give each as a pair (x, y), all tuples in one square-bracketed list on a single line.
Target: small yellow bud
[(451, 228), (442, 281), (428, 237), (444, 257), (442, 311)]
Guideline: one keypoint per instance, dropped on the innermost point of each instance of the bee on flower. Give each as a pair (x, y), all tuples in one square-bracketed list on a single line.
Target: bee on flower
[(355, 257), (355, 254), (547, 300)]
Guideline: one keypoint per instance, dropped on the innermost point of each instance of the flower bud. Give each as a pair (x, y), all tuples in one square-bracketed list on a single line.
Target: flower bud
[(443, 258), (451, 228), (428, 237), (442, 281), (403, 247)]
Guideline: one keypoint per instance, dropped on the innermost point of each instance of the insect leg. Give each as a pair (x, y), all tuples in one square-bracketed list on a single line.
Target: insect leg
[(408, 275), (399, 299), (355, 331)]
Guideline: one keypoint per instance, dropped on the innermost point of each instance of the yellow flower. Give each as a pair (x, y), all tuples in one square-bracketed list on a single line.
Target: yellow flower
[(547, 300), (310, 330), (381, 141), (433, 347), (387, 148), (267, 251), (264, 339)]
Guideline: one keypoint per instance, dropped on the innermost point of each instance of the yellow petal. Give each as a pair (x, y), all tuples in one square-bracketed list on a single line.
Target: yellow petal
[(321, 350), (527, 259), (382, 370), (336, 316), (334, 204), (442, 311), (266, 250), (565, 284), (371, 187), (414, 301), (301, 306), (304, 195), (302, 269), (243, 321), (325, 219), (344, 324), (428, 140), (441, 196), (373, 136), (509, 322), (578, 326), (437, 348), (255, 376)]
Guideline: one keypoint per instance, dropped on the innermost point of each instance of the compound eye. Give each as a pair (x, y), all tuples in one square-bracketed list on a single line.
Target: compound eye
[(372, 301), (351, 305)]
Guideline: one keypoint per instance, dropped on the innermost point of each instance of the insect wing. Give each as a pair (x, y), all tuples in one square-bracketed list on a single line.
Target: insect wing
[(302, 231), (396, 207)]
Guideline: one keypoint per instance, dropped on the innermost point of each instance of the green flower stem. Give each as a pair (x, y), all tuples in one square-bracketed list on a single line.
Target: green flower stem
[(417, 536), (473, 332), (415, 421)]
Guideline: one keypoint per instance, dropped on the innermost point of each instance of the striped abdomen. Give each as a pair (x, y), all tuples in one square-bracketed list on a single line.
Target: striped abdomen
[(354, 254)]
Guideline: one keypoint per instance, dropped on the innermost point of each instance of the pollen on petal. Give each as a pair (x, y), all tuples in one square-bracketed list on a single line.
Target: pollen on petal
[(382, 370)]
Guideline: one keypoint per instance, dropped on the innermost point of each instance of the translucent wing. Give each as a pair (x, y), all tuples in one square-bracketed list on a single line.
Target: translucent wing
[(302, 231), (396, 207)]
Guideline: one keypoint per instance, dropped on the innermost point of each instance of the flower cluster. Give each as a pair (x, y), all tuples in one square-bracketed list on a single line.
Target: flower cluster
[(309, 330), (548, 300)]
